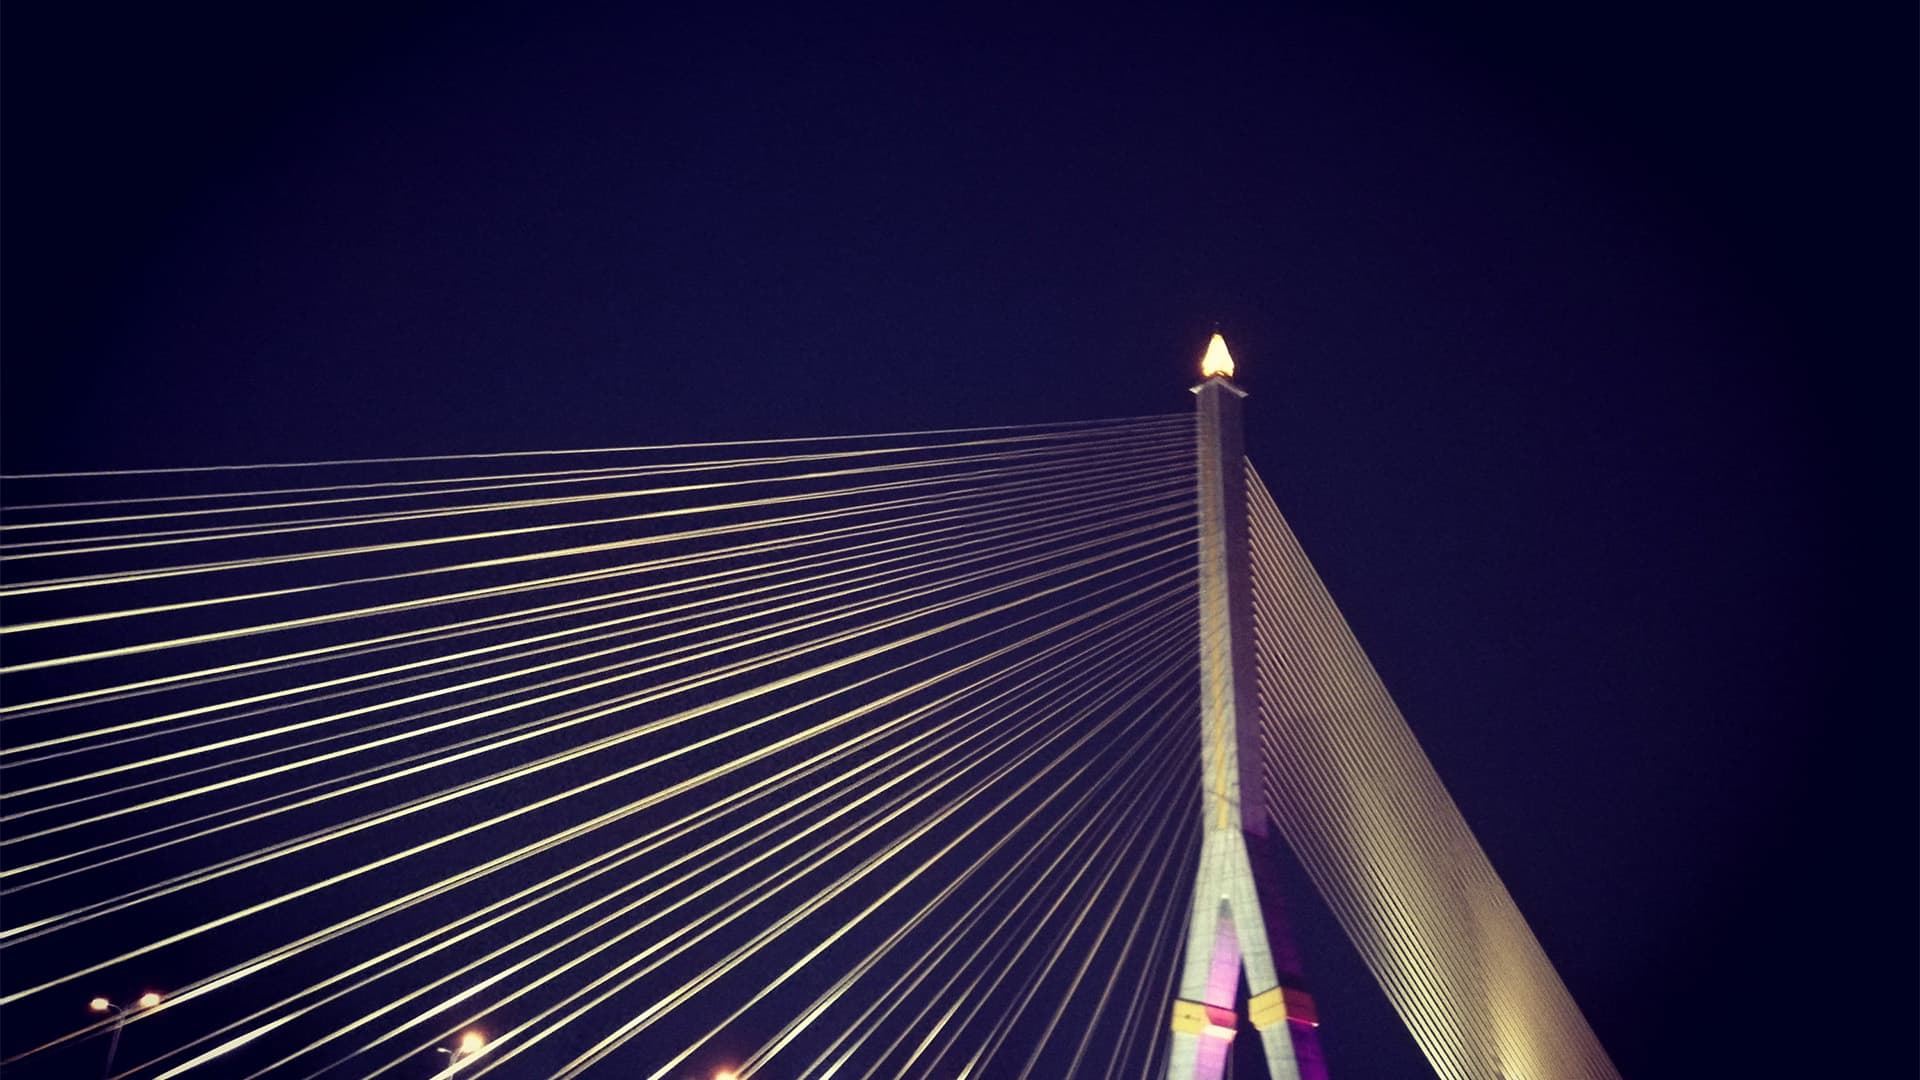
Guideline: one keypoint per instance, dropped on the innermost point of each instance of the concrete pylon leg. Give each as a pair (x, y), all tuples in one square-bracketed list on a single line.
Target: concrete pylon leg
[(1226, 933), (1203, 1016)]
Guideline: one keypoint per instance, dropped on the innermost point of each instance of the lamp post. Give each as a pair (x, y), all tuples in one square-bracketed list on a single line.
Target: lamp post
[(470, 1043), (100, 1005)]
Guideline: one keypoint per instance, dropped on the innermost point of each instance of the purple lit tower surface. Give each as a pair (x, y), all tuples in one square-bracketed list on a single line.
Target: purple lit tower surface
[(1236, 921)]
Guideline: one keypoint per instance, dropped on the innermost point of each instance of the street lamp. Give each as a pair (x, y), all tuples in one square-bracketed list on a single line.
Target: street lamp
[(100, 1005), (470, 1043)]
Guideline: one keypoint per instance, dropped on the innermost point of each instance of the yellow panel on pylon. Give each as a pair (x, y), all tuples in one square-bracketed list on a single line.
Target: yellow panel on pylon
[(1194, 1018), (1267, 1008), (1279, 1004)]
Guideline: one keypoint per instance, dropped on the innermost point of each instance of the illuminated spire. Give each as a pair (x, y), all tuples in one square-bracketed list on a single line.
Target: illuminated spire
[(1217, 361)]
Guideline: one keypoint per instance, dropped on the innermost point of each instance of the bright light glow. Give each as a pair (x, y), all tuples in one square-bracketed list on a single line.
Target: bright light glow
[(149, 999), (726, 1074), (471, 1042), (1217, 361), (99, 1004)]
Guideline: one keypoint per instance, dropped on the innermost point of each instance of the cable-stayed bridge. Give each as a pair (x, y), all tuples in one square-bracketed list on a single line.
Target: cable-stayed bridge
[(944, 753)]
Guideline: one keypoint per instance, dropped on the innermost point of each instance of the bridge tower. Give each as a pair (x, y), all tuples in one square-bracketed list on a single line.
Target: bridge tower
[(1236, 922)]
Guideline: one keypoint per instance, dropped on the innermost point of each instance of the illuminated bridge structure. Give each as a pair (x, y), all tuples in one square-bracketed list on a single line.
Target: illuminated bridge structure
[(866, 756)]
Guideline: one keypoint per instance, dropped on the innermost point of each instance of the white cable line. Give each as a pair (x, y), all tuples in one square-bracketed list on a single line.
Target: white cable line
[(821, 1004), (1114, 602), (1436, 1003), (84, 581), (1016, 940), (902, 722), (1123, 901), (884, 1004), (987, 961), (492, 735), (481, 564), (561, 453), (171, 884), (958, 923), (176, 537), (1027, 493), (489, 742), (874, 572), (1090, 951), (729, 916), (731, 699), (919, 525), (1141, 681), (988, 1048), (1157, 1029), (1103, 932), (498, 742), (1162, 943), (638, 1023), (905, 722), (534, 479), (654, 621), (1390, 914), (1001, 961), (926, 791)]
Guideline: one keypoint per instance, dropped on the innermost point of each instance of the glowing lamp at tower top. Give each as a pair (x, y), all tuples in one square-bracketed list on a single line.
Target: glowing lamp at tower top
[(1217, 361)]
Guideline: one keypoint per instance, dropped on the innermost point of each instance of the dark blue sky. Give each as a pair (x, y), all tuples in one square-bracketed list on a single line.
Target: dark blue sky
[(1581, 348)]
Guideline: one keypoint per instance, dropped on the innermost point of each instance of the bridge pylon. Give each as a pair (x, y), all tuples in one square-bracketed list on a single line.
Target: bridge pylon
[(1236, 924)]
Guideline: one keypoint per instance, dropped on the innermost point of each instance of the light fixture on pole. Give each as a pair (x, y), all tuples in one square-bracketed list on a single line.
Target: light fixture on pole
[(101, 1005), (471, 1042)]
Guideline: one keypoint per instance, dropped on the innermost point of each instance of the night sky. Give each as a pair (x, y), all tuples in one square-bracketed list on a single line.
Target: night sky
[(1581, 351)]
